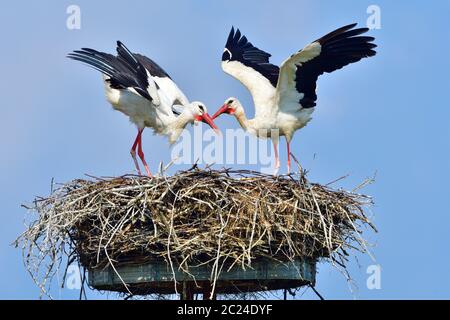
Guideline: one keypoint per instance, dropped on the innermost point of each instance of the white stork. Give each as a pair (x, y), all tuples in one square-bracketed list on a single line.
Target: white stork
[(285, 97), (138, 87)]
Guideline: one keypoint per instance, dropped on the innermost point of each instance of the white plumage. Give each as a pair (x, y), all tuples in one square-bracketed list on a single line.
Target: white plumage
[(284, 98), (143, 91)]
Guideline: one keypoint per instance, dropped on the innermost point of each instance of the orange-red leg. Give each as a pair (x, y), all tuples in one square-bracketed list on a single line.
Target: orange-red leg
[(133, 151), (141, 154), (288, 158), (277, 158)]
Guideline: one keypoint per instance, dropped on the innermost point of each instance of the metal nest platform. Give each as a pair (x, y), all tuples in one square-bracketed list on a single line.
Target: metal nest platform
[(158, 278)]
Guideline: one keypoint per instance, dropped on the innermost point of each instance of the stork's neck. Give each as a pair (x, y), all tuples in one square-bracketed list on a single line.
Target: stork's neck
[(175, 129), (242, 119)]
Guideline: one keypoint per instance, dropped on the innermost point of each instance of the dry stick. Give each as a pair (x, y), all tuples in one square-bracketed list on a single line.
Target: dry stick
[(336, 180), (252, 234), (216, 262), (360, 239), (116, 272), (168, 246), (328, 240), (365, 183), (101, 239)]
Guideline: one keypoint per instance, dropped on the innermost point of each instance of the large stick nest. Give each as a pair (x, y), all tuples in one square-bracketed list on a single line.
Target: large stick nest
[(197, 216)]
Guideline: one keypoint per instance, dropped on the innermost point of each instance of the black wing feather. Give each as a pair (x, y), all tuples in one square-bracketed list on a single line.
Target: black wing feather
[(338, 49), (124, 70), (153, 68), (245, 52)]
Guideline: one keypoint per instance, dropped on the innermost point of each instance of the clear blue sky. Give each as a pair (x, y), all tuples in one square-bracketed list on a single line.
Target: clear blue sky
[(388, 114)]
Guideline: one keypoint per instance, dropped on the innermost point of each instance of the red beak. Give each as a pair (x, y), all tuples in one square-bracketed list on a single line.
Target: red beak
[(223, 109), (206, 118)]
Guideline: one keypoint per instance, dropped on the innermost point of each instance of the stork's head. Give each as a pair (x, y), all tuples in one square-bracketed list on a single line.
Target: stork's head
[(200, 113), (230, 106)]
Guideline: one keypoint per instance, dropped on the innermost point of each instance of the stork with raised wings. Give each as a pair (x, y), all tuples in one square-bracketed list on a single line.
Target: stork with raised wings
[(285, 97), (138, 87)]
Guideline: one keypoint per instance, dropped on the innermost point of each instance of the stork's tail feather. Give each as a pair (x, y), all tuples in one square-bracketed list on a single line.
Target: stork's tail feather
[(124, 71), (127, 56), (98, 60)]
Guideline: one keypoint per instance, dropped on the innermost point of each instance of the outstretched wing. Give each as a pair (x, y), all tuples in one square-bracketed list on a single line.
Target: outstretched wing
[(124, 71), (250, 65), (299, 73)]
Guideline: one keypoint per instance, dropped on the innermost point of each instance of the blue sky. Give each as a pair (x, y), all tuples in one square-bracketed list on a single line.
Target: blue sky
[(388, 114)]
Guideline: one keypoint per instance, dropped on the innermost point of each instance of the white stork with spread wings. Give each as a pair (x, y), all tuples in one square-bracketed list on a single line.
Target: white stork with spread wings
[(138, 87), (285, 97)]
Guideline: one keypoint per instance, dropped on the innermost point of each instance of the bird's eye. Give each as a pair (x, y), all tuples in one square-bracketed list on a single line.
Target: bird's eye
[(230, 101), (201, 108)]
